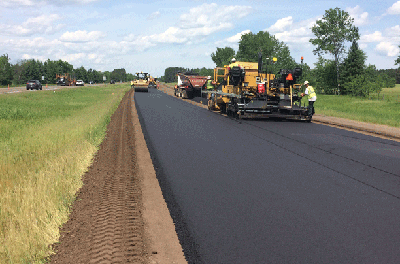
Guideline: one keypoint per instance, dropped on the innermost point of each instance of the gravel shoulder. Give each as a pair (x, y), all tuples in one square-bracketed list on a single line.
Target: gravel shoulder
[(119, 215)]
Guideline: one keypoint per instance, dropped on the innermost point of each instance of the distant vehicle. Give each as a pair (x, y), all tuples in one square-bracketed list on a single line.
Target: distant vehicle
[(65, 80), (112, 82), (33, 84), (91, 82), (80, 83)]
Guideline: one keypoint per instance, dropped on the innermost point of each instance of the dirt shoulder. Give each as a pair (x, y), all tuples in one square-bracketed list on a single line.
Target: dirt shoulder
[(120, 215), (381, 131)]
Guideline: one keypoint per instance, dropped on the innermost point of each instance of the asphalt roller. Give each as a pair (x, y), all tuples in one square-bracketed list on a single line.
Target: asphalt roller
[(141, 84)]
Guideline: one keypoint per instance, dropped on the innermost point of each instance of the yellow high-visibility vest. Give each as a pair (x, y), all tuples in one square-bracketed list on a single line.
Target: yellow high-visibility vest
[(209, 85), (311, 92)]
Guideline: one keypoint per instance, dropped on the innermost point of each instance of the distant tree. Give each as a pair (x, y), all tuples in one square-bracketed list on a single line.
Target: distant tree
[(32, 69), (130, 77), (223, 56), (352, 66), (170, 74), (331, 32), (398, 60), (325, 73), (118, 75), (81, 74), (251, 44), (5, 70)]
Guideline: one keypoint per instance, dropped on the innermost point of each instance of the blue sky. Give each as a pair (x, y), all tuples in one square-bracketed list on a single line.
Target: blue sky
[(153, 35)]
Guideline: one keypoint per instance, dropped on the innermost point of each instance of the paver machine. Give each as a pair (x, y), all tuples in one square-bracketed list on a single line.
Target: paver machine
[(141, 84), (244, 91)]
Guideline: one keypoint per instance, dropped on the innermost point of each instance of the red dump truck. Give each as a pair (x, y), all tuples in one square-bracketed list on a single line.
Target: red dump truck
[(189, 85)]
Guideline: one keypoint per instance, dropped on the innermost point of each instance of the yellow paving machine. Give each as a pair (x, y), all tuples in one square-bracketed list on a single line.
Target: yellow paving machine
[(244, 91)]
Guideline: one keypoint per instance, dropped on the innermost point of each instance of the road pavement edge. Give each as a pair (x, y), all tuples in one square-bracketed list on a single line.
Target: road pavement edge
[(164, 246)]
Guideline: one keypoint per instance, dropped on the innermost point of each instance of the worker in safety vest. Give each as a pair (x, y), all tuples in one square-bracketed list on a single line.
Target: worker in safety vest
[(131, 84), (233, 63), (210, 84), (312, 97)]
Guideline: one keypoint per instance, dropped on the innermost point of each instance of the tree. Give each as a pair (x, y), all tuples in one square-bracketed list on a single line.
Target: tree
[(5, 70), (170, 74), (118, 75), (80, 74), (332, 31), (398, 60), (223, 56), (352, 66), (325, 72), (251, 44)]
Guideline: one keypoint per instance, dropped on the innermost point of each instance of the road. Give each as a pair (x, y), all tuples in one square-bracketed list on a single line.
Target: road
[(272, 192)]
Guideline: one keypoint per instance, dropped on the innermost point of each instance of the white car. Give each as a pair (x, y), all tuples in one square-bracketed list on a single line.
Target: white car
[(80, 83)]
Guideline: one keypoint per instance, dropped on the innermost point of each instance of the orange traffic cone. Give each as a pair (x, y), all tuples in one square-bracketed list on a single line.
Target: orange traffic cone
[(8, 87)]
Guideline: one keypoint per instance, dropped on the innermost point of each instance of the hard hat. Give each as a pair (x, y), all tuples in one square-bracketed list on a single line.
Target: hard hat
[(208, 77), (306, 82), (233, 60)]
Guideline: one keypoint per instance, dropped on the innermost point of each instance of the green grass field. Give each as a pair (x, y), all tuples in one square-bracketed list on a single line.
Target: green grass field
[(47, 142), (382, 108)]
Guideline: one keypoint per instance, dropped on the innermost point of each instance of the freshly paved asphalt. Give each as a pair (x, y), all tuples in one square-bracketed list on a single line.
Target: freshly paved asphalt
[(273, 192)]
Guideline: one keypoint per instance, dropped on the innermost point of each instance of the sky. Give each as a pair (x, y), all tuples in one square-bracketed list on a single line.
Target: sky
[(150, 35)]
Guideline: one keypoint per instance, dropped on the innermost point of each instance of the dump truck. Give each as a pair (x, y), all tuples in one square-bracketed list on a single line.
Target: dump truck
[(189, 85), (65, 80), (245, 91), (141, 84)]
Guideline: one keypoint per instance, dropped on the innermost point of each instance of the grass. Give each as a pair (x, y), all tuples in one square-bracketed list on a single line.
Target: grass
[(382, 108), (47, 142)]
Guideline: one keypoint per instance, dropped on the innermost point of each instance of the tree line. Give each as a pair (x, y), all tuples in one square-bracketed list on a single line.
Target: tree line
[(170, 73), (25, 70), (347, 73)]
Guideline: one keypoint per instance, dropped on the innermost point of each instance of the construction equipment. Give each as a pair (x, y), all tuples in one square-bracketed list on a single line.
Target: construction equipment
[(65, 80), (245, 91), (152, 82), (141, 84), (189, 85)]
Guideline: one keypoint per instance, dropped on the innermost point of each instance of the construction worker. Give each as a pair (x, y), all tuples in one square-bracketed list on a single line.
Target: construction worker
[(312, 97), (132, 84), (233, 63), (209, 84)]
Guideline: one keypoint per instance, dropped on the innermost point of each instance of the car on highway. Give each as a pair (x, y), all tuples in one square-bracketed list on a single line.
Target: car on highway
[(80, 83), (33, 84)]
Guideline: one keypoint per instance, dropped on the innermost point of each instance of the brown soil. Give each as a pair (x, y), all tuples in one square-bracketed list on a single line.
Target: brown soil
[(119, 215)]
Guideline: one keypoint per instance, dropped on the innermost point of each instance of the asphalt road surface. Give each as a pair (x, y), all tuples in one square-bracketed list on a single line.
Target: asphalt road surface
[(259, 191)]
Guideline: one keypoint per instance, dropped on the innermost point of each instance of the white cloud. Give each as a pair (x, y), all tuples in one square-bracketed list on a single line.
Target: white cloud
[(210, 15), (293, 33), (81, 36), (236, 38), (394, 9), (153, 15), (374, 37), (281, 24), (13, 3), (8, 3), (45, 24), (360, 17), (195, 26), (74, 57), (387, 49)]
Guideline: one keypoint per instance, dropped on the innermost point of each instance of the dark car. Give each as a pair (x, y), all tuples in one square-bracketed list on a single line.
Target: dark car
[(33, 84), (112, 82)]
